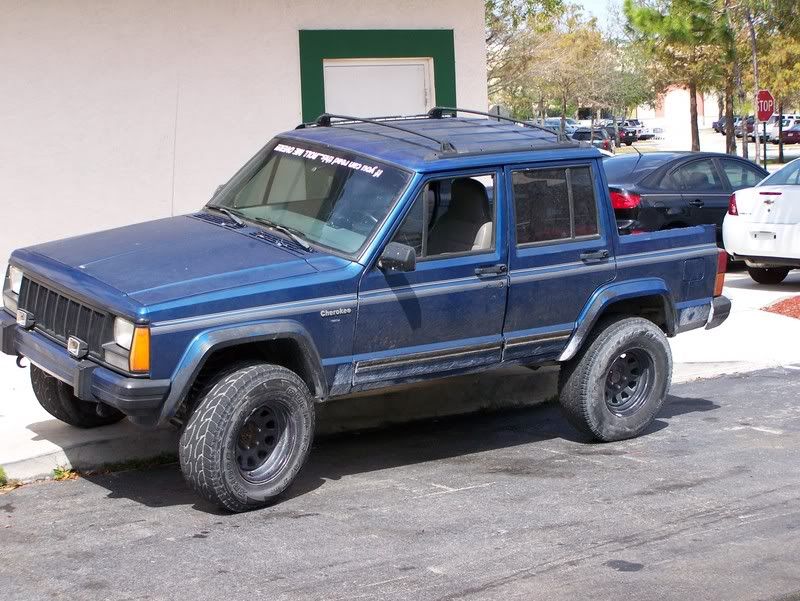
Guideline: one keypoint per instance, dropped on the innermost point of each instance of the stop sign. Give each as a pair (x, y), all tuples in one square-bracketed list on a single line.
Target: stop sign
[(765, 105)]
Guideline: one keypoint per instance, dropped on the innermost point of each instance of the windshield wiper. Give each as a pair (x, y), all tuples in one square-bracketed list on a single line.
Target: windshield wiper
[(284, 230), (232, 214)]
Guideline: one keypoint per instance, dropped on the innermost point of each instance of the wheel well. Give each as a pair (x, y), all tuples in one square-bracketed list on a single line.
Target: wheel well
[(652, 307), (284, 352)]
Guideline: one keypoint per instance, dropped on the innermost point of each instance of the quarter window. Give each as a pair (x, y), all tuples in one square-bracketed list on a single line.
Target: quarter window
[(554, 204)]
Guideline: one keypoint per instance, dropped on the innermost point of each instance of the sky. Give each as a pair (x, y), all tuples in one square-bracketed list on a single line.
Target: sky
[(599, 9)]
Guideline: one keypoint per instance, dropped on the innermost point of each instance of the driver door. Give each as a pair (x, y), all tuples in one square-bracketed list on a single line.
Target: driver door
[(446, 316)]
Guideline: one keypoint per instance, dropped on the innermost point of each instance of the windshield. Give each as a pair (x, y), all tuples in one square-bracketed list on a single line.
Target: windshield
[(788, 176), (332, 198)]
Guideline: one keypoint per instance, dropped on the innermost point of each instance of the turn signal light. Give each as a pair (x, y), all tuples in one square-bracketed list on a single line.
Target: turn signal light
[(722, 267), (732, 209), (621, 199), (140, 350)]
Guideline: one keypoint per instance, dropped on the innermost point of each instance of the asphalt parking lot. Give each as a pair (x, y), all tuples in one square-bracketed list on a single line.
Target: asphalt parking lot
[(507, 505)]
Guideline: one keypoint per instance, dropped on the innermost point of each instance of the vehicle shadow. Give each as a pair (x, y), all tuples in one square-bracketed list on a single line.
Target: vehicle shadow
[(338, 455)]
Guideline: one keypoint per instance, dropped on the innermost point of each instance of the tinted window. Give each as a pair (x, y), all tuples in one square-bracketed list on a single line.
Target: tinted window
[(621, 168), (697, 176), (740, 174), (554, 204)]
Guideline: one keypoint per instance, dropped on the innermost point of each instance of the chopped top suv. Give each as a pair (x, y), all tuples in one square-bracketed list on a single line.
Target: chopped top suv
[(355, 254)]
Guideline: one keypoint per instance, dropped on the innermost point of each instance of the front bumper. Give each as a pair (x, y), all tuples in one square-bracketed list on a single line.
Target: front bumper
[(136, 397)]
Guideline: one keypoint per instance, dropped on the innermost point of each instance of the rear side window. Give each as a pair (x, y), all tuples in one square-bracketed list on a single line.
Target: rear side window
[(740, 174), (554, 204)]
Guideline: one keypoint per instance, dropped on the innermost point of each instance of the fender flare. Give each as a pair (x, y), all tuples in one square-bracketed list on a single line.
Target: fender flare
[(608, 295), (209, 341)]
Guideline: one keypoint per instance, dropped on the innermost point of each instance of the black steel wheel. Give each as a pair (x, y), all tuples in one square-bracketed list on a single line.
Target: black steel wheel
[(248, 436), (628, 381), (262, 442), (615, 385)]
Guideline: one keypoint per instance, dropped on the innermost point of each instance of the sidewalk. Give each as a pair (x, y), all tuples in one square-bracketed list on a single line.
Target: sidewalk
[(32, 444)]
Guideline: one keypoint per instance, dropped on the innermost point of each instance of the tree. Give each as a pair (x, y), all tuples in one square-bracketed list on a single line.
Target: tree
[(685, 40)]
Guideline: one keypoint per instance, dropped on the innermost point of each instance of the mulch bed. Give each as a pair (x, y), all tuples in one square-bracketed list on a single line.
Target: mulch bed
[(789, 307)]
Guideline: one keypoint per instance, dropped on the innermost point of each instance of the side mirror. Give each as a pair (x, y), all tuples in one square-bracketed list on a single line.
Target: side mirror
[(398, 257)]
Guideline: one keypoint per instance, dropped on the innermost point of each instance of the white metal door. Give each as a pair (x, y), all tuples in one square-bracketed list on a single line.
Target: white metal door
[(377, 87)]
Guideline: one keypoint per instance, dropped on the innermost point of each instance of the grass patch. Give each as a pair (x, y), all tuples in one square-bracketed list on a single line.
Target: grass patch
[(3, 477), (64, 473)]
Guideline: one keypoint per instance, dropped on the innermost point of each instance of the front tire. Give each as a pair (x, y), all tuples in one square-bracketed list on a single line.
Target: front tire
[(616, 384), (59, 400), (768, 275), (248, 437)]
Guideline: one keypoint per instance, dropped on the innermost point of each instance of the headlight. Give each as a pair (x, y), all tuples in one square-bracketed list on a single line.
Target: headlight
[(11, 288), (123, 333), (15, 279)]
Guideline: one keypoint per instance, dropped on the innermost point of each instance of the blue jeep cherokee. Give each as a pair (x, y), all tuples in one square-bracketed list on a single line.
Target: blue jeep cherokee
[(353, 254)]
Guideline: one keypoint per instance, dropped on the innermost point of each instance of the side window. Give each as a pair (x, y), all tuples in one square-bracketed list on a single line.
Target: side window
[(698, 176), (554, 204), (740, 174), (451, 216)]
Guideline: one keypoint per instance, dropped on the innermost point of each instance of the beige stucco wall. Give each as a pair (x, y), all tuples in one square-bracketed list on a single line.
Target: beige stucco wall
[(113, 112)]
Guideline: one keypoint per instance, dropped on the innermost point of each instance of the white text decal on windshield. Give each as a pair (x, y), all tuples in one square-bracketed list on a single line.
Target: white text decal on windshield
[(329, 159)]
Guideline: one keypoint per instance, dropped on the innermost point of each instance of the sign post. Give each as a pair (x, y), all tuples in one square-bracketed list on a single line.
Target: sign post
[(765, 107)]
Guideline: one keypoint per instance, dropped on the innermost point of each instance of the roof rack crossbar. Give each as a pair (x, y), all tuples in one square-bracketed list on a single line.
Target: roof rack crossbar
[(325, 120), (437, 112)]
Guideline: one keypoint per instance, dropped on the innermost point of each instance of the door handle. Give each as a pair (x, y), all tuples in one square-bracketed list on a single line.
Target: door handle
[(696, 203), (491, 270), (593, 256)]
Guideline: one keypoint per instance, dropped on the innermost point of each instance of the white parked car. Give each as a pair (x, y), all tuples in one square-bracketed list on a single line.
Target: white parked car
[(762, 226)]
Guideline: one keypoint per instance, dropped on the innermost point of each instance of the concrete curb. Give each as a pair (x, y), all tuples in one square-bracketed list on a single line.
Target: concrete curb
[(59, 445)]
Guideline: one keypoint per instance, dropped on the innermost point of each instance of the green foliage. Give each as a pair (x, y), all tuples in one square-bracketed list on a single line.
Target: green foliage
[(3, 477)]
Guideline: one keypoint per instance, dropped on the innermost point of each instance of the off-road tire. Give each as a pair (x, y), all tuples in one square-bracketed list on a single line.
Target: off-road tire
[(583, 380), (210, 441), (769, 276), (59, 400)]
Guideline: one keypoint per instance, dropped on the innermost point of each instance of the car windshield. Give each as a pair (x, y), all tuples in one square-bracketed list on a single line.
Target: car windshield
[(328, 197), (788, 176)]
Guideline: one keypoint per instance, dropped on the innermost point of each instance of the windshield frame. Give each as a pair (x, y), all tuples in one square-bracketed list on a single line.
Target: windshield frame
[(246, 172)]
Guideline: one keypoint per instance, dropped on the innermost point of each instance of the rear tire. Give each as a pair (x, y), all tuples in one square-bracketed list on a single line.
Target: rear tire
[(616, 384), (59, 400), (768, 275), (248, 437)]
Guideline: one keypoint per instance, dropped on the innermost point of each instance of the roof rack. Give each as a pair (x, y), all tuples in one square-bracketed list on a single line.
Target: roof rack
[(325, 120), (438, 112)]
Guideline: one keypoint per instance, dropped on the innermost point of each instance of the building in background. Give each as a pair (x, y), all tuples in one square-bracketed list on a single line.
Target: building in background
[(672, 114), (116, 112)]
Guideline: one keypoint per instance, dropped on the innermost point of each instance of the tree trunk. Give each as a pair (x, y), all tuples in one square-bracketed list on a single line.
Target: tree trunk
[(730, 139), (720, 107), (754, 52), (742, 99), (780, 132), (693, 116), (563, 115)]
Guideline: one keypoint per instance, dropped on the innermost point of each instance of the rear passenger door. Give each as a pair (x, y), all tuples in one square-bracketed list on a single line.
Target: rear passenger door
[(704, 191), (560, 253)]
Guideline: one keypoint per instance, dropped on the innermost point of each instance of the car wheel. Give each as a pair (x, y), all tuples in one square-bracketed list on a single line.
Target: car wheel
[(59, 400), (768, 275), (616, 384), (248, 437), (628, 143)]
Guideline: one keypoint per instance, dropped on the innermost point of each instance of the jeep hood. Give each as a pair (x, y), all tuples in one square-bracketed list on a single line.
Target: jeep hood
[(172, 258)]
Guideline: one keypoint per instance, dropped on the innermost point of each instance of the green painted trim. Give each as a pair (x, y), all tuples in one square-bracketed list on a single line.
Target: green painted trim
[(316, 45)]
